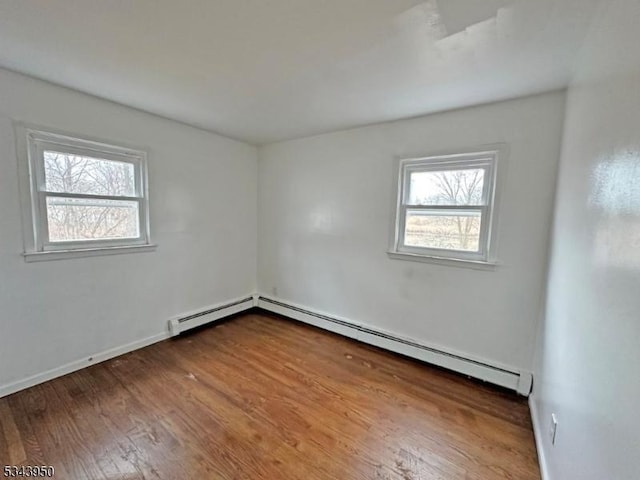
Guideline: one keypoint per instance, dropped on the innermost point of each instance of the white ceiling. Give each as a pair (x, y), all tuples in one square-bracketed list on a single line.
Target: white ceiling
[(267, 70)]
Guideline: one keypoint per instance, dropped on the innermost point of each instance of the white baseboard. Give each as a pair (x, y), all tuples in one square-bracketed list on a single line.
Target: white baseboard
[(508, 377), (79, 364), (193, 319), (538, 433), (482, 369)]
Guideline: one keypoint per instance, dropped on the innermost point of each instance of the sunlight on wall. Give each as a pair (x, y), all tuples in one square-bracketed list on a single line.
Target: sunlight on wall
[(616, 194), (615, 188)]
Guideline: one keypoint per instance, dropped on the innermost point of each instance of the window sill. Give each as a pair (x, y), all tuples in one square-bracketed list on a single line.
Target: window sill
[(453, 262), (85, 252)]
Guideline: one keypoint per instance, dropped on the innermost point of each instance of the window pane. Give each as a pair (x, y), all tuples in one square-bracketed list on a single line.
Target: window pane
[(73, 219), (445, 230), (447, 187), (69, 173)]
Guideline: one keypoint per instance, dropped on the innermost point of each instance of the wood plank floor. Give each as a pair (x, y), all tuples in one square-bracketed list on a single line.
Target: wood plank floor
[(260, 397)]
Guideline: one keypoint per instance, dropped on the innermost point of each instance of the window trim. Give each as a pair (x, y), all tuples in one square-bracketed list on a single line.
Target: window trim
[(31, 144), (491, 158)]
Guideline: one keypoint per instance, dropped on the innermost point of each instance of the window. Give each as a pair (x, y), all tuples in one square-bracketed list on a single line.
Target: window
[(445, 206), (84, 195)]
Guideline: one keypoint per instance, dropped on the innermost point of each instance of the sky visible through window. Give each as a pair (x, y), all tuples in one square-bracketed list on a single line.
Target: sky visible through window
[(449, 187)]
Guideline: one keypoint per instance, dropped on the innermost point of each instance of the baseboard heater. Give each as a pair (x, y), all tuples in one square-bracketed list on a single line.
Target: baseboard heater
[(520, 381), (196, 319)]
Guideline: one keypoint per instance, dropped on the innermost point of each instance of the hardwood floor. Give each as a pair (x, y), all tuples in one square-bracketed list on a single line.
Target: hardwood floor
[(260, 397)]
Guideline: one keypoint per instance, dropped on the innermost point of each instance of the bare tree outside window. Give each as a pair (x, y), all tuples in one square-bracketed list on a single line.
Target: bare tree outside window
[(448, 229), (86, 197), (445, 208), (76, 219)]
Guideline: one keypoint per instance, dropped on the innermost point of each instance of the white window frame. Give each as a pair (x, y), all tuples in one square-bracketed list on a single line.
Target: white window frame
[(32, 143), (486, 159)]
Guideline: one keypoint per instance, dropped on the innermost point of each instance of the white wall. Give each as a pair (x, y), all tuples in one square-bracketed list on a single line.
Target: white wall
[(325, 207), (588, 361), (203, 218)]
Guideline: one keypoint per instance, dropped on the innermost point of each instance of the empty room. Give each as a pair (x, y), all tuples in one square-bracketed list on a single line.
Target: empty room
[(320, 239)]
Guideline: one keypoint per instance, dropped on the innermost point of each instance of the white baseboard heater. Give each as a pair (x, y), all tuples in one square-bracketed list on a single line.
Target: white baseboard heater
[(216, 312), (520, 381)]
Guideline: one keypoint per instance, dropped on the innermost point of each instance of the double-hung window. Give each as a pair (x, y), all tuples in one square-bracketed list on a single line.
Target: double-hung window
[(445, 206), (84, 195)]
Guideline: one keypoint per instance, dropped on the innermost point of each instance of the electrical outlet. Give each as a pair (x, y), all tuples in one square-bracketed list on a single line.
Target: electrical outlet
[(553, 428)]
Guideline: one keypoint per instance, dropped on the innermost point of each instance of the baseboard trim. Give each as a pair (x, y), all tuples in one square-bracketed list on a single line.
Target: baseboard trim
[(520, 381), (210, 314), (538, 435), (507, 377), (189, 320), (80, 364)]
